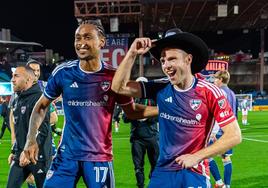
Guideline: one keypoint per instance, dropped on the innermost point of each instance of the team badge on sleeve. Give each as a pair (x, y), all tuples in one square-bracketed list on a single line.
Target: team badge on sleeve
[(195, 103), (105, 85), (222, 103), (23, 109)]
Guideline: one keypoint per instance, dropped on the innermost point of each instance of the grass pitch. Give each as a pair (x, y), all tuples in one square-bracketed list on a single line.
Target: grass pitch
[(250, 161)]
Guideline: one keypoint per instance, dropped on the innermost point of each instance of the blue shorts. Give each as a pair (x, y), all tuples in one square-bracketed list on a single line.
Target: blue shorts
[(178, 179), (66, 173)]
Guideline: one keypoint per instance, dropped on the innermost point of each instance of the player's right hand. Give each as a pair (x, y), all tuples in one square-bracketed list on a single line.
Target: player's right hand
[(31, 150), (140, 46), (23, 160)]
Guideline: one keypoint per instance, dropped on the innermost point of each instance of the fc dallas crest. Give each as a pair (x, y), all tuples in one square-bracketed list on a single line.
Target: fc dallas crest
[(23, 109), (222, 103), (105, 85), (195, 103)]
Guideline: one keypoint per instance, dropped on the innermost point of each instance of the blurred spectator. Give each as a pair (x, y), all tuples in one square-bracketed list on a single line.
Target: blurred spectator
[(5, 115), (116, 117), (4, 66), (244, 105)]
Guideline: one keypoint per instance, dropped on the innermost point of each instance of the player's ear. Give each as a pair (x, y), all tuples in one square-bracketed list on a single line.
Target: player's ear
[(189, 58), (102, 42)]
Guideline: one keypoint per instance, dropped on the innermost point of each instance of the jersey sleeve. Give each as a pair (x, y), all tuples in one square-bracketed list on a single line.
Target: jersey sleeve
[(151, 88), (54, 88), (220, 107), (123, 100)]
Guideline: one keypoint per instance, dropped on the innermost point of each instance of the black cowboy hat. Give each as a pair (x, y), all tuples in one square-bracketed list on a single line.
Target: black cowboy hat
[(187, 42)]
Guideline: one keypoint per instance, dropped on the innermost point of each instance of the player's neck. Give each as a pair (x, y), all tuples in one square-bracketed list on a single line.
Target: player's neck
[(186, 83), (90, 65)]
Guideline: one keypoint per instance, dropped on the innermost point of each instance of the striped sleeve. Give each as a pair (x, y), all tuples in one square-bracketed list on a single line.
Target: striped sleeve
[(54, 85), (218, 104)]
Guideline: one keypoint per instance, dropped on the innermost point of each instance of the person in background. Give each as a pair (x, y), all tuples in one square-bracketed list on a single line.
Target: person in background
[(221, 79), (20, 167), (187, 108), (245, 107), (116, 117), (144, 139), (5, 115), (36, 67), (30, 180), (54, 119)]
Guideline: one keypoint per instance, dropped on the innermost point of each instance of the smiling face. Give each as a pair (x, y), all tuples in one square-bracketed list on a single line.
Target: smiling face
[(88, 42), (36, 71), (176, 64)]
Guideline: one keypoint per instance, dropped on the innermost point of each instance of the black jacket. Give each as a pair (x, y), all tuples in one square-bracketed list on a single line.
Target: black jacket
[(23, 106), (145, 128), (5, 112)]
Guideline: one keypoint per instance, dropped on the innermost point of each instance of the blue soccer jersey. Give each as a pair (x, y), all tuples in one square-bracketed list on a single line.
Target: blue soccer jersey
[(186, 118), (230, 95), (88, 103)]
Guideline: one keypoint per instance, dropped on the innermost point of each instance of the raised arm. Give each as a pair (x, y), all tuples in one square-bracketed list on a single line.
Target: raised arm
[(121, 82), (38, 114)]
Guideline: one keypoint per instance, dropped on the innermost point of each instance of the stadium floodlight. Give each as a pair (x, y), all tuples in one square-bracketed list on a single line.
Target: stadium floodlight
[(245, 31), (222, 10), (220, 32), (114, 24), (236, 9), (264, 16), (212, 18)]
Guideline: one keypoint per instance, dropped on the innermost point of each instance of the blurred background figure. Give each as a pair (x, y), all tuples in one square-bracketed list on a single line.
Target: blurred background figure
[(221, 79), (20, 167), (143, 139), (5, 115), (116, 117), (245, 107), (36, 67), (54, 119)]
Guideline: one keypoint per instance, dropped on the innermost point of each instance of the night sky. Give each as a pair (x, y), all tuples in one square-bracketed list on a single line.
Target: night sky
[(52, 23), (49, 22)]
